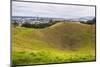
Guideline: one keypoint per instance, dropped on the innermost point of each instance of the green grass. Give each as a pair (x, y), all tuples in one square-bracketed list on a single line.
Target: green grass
[(62, 42), (45, 57)]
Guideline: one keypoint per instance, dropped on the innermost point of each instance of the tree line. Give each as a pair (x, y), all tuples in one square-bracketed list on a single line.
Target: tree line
[(35, 25), (90, 22)]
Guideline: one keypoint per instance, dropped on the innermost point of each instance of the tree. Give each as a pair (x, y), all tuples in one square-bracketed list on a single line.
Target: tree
[(93, 21)]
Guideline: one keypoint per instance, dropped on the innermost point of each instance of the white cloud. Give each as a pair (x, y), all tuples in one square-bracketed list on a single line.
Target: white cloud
[(51, 10)]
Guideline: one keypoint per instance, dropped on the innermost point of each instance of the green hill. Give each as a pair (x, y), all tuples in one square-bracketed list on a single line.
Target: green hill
[(61, 42)]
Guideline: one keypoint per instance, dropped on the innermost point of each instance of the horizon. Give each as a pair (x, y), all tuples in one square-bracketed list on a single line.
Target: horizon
[(85, 18)]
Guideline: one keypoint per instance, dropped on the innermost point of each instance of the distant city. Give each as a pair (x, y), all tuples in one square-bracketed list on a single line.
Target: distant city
[(47, 19)]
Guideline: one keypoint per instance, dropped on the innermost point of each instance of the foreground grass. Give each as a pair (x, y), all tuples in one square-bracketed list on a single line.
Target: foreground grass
[(45, 57), (64, 42)]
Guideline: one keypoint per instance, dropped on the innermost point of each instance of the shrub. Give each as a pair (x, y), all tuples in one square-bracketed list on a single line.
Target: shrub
[(27, 25), (14, 23)]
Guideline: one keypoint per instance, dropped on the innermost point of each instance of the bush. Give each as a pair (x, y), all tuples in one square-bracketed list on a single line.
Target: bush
[(14, 23), (27, 25)]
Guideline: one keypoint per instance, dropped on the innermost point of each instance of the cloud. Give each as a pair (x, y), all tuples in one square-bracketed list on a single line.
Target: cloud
[(51, 10)]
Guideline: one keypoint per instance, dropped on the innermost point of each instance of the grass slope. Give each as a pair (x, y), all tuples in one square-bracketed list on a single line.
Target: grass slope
[(62, 42)]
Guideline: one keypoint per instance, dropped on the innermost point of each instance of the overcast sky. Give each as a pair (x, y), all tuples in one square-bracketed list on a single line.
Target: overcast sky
[(51, 10)]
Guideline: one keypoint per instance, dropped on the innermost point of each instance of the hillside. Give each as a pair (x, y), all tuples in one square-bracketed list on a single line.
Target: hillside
[(62, 42)]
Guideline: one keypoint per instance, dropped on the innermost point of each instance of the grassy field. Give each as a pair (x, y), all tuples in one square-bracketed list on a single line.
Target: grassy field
[(62, 42)]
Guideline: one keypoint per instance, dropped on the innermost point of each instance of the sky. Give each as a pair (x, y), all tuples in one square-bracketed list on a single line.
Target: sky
[(51, 10)]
